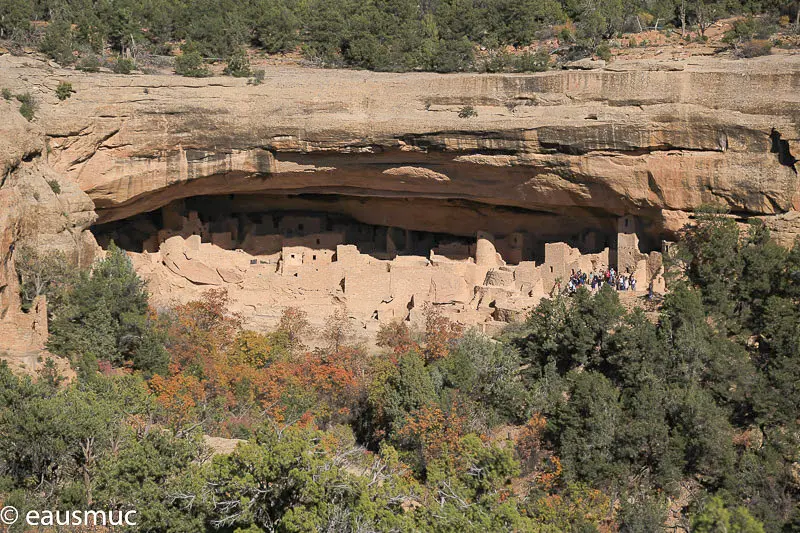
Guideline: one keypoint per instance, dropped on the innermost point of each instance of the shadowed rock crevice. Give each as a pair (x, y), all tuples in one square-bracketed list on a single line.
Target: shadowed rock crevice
[(384, 227), (781, 148)]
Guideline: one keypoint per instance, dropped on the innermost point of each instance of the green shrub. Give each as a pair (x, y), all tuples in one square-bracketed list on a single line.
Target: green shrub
[(603, 52), (238, 64), (26, 98), (538, 61), (40, 274), (467, 112), (276, 26), (258, 77), (105, 317), (642, 514), (748, 29), (502, 61), (59, 42), (89, 63), (575, 52), (716, 516), (28, 107), (64, 90), (54, 186), (15, 19), (452, 56), (123, 65), (190, 63), (497, 62), (6, 93), (27, 111)]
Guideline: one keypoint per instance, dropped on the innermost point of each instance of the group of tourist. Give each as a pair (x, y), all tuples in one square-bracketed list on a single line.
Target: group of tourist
[(595, 280)]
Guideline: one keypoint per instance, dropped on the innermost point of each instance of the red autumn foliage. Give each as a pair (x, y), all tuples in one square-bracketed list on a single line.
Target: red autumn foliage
[(529, 441), (397, 336), (440, 334), (217, 365), (434, 432)]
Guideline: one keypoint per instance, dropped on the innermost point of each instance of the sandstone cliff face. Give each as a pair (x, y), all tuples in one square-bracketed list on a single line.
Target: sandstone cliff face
[(554, 153), (31, 211), (649, 139)]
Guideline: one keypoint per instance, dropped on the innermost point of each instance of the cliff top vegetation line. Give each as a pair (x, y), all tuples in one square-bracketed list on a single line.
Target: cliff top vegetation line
[(402, 35)]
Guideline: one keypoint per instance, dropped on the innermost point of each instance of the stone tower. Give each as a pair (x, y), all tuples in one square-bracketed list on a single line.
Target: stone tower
[(485, 252)]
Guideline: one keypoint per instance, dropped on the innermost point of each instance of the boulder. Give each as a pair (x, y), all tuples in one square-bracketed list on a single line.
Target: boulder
[(585, 64)]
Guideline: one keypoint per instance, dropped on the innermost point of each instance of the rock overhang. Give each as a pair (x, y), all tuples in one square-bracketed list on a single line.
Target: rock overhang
[(654, 139)]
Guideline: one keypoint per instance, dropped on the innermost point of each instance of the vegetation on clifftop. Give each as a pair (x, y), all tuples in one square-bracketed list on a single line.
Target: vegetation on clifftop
[(398, 35)]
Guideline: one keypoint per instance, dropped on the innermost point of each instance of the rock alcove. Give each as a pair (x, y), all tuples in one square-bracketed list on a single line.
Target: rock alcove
[(384, 228)]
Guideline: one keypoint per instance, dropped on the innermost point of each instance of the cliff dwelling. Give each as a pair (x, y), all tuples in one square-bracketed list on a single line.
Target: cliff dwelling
[(320, 251), (385, 204)]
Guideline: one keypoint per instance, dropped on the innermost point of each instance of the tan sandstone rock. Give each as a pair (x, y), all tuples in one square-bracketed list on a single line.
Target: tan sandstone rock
[(556, 155)]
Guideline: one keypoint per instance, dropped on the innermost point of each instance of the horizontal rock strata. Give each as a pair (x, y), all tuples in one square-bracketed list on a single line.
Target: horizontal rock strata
[(555, 154)]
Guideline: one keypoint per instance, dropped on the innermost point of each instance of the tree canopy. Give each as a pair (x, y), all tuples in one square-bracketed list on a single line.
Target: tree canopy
[(438, 35), (586, 417)]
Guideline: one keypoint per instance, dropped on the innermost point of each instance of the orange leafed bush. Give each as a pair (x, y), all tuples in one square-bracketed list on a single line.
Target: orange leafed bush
[(397, 336), (529, 440), (440, 334), (214, 363), (434, 431)]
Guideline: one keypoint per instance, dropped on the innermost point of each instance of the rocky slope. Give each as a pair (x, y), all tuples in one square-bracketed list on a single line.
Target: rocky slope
[(31, 211), (555, 153)]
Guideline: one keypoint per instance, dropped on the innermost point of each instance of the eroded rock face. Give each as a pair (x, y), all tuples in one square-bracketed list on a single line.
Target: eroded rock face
[(40, 206), (554, 154), (642, 140)]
